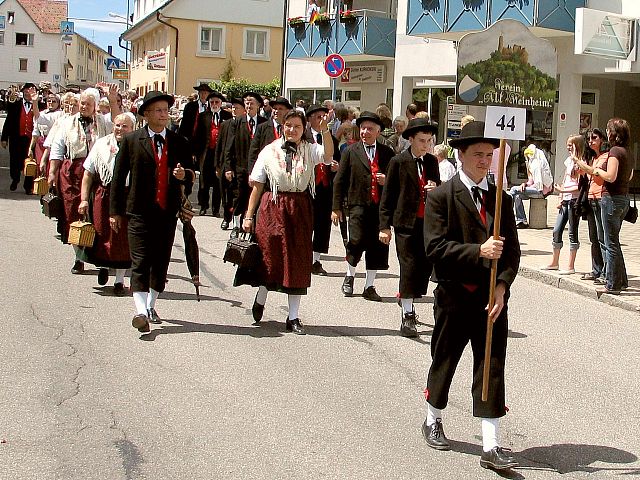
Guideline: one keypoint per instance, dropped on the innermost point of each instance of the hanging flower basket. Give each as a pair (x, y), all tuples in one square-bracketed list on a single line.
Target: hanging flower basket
[(296, 21), (348, 16), (322, 19)]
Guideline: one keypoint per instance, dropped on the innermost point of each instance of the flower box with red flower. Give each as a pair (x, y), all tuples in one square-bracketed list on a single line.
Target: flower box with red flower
[(347, 16), (295, 21)]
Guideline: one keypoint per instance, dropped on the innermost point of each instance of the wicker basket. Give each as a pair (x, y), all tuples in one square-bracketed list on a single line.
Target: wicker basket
[(30, 167), (40, 186), (82, 234)]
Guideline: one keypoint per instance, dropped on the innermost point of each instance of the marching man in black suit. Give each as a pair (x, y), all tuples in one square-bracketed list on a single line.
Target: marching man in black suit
[(410, 176), (458, 222), (270, 130), (323, 201), (236, 157), (206, 138), (360, 180), (189, 122), (17, 130), (158, 163)]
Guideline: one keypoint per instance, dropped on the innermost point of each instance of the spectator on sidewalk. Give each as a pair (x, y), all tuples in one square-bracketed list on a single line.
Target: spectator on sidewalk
[(567, 206), (538, 184)]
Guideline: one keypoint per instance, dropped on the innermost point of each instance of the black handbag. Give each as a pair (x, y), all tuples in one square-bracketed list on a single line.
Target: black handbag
[(581, 206), (51, 204), (243, 251), (632, 213)]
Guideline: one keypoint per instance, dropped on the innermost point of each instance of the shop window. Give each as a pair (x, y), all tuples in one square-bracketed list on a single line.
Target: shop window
[(352, 95)]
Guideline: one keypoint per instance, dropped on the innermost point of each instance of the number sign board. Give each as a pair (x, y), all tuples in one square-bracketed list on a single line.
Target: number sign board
[(505, 122)]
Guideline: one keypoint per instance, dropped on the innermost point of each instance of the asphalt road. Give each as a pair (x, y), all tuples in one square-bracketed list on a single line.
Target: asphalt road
[(209, 395)]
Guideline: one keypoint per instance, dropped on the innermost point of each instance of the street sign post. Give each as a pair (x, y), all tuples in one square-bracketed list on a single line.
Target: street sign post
[(113, 63), (334, 65)]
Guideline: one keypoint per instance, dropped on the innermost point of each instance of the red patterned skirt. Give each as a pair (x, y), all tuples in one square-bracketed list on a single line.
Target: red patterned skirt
[(110, 249), (284, 231), (69, 183)]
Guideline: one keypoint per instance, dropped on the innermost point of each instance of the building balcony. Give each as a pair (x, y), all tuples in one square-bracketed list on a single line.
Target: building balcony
[(366, 35), (452, 18)]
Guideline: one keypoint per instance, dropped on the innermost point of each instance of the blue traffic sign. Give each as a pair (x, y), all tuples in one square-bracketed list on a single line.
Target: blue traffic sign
[(66, 28), (334, 65), (113, 63)]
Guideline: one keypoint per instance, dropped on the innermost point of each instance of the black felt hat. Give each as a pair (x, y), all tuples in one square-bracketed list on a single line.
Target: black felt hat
[(281, 101), (316, 108), (472, 132), (255, 95), (216, 94), (27, 85), (152, 97), (237, 101), (417, 125), (370, 117), (203, 86)]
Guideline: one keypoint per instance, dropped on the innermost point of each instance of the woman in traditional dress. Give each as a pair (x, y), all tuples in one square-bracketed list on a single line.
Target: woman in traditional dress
[(42, 123), (69, 149), (110, 249), (68, 106), (284, 225)]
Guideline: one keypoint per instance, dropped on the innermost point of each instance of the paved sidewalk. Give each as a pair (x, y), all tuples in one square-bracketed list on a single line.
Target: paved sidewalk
[(536, 253)]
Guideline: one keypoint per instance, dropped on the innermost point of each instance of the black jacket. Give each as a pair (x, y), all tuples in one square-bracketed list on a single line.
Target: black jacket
[(188, 122), (353, 180), (263, 137), (401, 195), (453, 233), (11, 128), (203, 130), (236, 155), (136, 157)]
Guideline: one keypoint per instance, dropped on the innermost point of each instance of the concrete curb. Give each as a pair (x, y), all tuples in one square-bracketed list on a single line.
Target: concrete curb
[(575, 286)]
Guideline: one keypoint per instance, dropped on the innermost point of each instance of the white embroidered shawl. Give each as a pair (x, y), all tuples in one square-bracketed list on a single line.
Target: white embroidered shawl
[(75, 139), (302, 175), (103, 157)]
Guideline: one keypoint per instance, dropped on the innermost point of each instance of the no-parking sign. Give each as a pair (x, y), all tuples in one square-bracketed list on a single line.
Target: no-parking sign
[(334, 65)]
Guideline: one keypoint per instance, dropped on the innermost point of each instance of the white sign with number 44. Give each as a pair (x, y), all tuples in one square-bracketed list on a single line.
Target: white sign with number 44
[(505, 122)]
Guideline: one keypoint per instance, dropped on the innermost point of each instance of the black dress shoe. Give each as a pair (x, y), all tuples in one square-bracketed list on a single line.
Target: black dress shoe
[(316, 269), (103, 276), (203, 212), (13, 186), (141, 322), (257, 310), (434, 435), (153, 316), (78, 267), (118, 289), (522, 225), (347, 286), (295, 326), (371, 294), (224, 225), (498, 458), (408, 326)]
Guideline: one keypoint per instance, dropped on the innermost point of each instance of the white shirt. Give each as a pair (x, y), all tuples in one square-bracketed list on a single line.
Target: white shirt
[(447, 170), (370, 154), (163, 134), (484, 185)]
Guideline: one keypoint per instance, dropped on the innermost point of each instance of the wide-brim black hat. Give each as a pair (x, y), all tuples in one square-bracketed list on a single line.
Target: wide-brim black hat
[(370, 117), (255, 95), (203, 86), (316, 108), (472, 132), (281, 101), (417, 125), (216, 94), (237, 101), (152, 97), (27, 85)]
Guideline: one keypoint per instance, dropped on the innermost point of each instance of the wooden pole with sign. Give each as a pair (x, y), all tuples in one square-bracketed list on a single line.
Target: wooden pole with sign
[(494, 273)]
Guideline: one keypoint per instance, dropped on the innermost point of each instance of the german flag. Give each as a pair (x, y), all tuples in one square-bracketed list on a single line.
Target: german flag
[(313, 17)]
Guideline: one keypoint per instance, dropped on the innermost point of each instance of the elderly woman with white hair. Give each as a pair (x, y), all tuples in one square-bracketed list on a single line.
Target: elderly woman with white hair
[(111, 248), (74, 140)]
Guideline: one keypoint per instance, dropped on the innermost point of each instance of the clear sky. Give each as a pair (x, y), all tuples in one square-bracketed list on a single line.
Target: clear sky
[(102, 34)]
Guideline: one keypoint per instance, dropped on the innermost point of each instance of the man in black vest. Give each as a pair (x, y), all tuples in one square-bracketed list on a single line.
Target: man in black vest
[(206, 139), (236, 156), (158, 162), (360, 181), (323, 200), (458, 225), (17, 130), (410, 176), (268, 131)]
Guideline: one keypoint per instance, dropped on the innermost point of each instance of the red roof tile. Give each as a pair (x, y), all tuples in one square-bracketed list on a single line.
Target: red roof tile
[(47, 14)]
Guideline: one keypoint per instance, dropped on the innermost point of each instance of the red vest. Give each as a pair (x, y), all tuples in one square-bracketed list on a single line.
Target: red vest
[(162, 174), (26, 122), (213, 135), (375, 188)]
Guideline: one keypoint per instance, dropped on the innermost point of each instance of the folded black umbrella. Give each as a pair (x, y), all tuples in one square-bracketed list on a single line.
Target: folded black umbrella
[(191, 250)]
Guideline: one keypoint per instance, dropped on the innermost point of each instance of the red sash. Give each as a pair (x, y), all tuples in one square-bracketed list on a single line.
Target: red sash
[(26, 122), (375, 188), (162, 174)]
